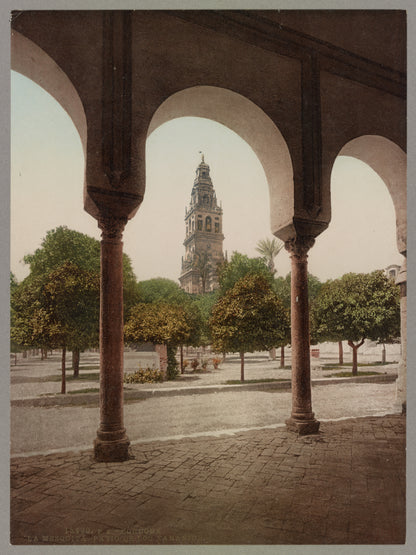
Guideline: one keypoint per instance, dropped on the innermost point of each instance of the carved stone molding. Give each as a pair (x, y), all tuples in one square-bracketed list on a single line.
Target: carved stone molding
[(311, 136), (111, 227), (299, 246), (117, 95)]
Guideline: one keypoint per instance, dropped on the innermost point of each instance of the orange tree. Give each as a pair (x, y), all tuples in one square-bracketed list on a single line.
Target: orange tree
[(62, 245), (57, 310), (248, 317), (160, 323), (357, 307)]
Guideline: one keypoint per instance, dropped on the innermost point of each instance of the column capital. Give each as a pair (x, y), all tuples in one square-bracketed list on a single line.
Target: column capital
[(111, 227), (299, 246)]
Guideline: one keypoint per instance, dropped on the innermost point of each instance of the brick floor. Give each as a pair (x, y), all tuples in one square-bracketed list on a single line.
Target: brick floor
[(343, 486)]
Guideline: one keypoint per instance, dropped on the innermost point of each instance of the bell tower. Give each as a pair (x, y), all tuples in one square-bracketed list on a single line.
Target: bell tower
[(203, 236)]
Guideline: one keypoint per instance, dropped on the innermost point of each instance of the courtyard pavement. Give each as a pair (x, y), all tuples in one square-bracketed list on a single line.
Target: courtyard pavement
[(345, 485)]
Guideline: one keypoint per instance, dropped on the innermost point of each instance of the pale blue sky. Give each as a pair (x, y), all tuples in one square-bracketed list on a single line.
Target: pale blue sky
[(47, 185)]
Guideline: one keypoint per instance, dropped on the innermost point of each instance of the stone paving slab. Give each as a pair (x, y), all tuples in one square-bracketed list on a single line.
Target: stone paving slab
[(345, 485)]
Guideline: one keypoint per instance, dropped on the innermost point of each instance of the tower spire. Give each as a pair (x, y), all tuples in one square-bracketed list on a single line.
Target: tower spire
[(202, 157)]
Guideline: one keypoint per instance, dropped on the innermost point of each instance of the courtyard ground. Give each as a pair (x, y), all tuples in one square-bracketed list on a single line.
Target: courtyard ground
[(343, 486), (214, 465)]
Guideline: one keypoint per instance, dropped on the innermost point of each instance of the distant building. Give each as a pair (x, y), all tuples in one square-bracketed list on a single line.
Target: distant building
[(392, 271), (203, 236)]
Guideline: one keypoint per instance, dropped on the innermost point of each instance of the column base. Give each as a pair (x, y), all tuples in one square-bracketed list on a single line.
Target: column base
[(112, 451), (303, 427)]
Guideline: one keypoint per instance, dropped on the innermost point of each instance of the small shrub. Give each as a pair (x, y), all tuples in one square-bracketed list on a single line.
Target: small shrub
[(195, 363), (185, 363), (216, 362), (173, 367), (204, 364), (144, 375)]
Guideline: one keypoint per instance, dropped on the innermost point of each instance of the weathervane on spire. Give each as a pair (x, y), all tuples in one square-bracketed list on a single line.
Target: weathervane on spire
[(202, 156)]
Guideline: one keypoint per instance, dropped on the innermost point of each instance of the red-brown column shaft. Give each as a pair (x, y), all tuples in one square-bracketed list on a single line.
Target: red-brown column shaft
[(111, 443), (302, 418)]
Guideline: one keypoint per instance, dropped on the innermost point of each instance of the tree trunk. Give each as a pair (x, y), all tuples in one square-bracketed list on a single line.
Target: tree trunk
[(383, 355), (15, 359), (355, 356), (182, 368), (282, 356), (341, 353), (63, 383), (242, 366), (75, 362), (354, 361)]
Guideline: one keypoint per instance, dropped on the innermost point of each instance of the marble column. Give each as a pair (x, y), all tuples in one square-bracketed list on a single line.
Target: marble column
[(400, 401), (302, 418), (111, 443)]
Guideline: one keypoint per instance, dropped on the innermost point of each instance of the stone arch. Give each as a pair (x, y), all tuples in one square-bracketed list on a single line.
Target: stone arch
[(388, 160), (251, 123), (31, 61)]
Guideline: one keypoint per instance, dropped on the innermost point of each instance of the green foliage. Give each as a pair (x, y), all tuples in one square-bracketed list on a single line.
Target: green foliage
[(282, 288), (204, 304), (144, 375), (72, 298), (240, 266), (314, 287), (357, 307), (161, 289), (160, 323), (269, 249), (28, 315), (15, 347), (13, 283), (58, 309), (62, 245), (248, 317), (173, 366)]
